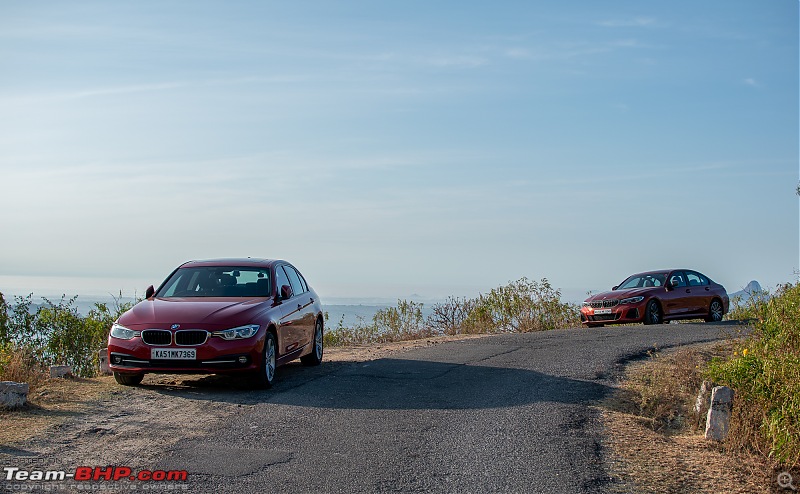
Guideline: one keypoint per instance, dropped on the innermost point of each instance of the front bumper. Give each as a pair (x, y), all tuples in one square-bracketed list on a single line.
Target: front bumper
[(621, 314), (215, 356)]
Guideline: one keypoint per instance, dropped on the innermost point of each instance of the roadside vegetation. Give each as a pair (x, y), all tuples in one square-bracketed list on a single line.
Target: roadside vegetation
[(764, 371), (520, 306), (653, 409), (656, 436), (54, 333)]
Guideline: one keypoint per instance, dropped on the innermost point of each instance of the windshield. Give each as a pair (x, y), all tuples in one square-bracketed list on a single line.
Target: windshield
[(644, 281), (217, 281)]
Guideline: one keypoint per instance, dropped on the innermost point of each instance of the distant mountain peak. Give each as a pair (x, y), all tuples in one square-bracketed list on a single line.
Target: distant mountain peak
[(753, 290), (753, 287)]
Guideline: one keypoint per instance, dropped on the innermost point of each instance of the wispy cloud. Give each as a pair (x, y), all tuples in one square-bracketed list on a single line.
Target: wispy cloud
[(751, 82), (633, 22), (569, 50), (459, 61)]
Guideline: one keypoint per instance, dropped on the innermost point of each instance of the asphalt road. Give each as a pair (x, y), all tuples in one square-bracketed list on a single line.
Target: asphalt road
[(506, 413)]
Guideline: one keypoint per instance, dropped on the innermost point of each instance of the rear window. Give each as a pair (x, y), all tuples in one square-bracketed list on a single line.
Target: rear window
[(217, 281)]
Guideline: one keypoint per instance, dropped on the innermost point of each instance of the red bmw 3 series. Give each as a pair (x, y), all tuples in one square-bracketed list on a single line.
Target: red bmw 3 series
[(656, 297), (220, 316)]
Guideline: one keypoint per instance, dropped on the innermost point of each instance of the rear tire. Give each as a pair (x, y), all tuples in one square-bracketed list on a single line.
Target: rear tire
[(266, 373), (652, 314), (715, 311), (315, 357), (128, 379)]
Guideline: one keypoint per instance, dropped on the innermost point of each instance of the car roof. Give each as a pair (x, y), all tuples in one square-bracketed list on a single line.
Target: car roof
[(663, 271), (233, 261)]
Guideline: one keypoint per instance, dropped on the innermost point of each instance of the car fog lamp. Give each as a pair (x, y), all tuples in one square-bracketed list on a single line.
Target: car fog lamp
[(117, 359), (242, 359)]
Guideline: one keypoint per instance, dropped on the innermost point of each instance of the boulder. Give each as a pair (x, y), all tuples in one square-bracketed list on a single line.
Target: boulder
[(13, 395), (103, 355), (60, 371)]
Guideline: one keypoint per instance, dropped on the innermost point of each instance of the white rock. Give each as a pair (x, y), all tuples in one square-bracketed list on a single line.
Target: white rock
[(719, 413), (701, 404)]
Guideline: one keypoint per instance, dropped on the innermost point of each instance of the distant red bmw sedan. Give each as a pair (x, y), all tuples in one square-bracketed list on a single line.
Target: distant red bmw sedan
[(656, 297), (220, 316)]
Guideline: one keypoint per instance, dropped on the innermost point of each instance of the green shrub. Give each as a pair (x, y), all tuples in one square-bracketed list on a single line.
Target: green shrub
[(765, 373), (54, 333), (520, 306)]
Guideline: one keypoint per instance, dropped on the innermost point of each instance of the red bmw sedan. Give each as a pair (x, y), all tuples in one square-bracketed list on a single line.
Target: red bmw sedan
[(656, 297), (220, 316)]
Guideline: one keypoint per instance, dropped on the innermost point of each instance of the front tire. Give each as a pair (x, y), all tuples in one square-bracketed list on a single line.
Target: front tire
[(715, 311), (128, 379), (315, 357), (652, 314), (266, 373)]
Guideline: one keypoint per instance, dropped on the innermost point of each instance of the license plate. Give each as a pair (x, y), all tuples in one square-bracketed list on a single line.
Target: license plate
[(173, 354), (602, 311)]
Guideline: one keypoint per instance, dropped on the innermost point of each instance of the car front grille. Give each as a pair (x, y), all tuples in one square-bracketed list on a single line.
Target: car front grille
[(158, 337), (191, 337), (604, 317), (599, 304)]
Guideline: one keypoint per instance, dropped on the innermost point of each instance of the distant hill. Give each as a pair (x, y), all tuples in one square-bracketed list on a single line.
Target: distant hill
[(752, 290)]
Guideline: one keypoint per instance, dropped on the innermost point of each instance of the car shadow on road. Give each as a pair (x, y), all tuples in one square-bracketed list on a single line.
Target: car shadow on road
[(397, 384)]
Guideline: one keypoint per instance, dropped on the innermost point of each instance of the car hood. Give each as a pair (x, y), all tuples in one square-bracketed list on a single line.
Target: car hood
[(210, 312), (620, 294)]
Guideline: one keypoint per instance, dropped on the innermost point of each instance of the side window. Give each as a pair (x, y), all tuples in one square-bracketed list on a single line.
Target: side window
[(303, 281), (294, 279), (696, 279), (677, 279), (280, 279)]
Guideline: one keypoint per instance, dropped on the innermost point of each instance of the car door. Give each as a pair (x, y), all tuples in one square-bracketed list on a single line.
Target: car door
[(676, 297), (305, 307), (290, 332), (700, 294)]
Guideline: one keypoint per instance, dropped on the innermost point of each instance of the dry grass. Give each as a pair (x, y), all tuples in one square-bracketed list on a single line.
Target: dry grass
[(656, 440), (20, 366), (51, 402)]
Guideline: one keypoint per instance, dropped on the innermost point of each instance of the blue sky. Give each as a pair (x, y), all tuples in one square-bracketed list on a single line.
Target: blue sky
[(398, 148)]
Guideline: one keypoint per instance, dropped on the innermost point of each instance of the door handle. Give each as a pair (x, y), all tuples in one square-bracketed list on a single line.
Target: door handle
[(708, 289), (688, 291), (299, 307), (312, 300)]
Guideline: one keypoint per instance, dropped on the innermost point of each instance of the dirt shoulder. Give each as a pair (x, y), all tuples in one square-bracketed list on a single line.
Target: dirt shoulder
[(676, 457)]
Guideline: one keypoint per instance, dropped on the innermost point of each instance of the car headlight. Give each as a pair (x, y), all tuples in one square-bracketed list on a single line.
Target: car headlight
[(121, 332), (238, 333), (587, 304), (631, 300)]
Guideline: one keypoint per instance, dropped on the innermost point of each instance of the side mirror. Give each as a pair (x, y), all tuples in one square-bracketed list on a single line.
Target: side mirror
[(669, 286), (614, 287), (149, 292), (286, 292)]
